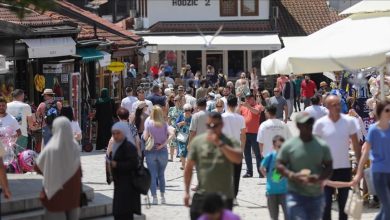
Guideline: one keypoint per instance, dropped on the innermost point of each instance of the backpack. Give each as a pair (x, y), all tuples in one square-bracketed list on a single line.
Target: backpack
[(51, 112), (221, 80)]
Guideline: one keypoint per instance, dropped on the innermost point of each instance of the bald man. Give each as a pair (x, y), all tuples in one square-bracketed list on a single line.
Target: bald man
[(337, 129)]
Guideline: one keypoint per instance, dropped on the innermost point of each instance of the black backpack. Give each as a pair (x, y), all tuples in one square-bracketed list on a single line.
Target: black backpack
[(51, 113), (221, 81)]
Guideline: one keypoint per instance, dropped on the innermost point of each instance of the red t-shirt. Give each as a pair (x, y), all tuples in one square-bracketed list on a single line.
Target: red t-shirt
[(252, 121), (308, 89), (154, 70)]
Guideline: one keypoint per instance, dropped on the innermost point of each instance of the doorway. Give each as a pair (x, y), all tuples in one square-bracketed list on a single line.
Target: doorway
[(214, 59)]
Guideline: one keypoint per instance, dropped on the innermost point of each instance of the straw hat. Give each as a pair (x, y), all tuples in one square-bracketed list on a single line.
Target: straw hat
[(48, 92), (141, 105), (323, 83)]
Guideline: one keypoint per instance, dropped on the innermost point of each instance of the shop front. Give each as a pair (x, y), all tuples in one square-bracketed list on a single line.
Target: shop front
[(230, 53)]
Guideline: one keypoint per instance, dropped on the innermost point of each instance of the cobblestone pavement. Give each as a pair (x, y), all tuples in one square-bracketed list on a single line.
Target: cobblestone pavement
[(251, 198)]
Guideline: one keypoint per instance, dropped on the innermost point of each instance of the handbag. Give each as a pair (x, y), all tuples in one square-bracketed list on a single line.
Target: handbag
[(354, 205), (142, 179), (149, 144), (182, 137)]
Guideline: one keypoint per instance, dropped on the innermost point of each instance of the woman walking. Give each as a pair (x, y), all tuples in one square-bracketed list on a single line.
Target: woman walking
[(378, 143), (157, 157), (104, 117), (123, 161), (59, 163), (173, 114), (183, 130)]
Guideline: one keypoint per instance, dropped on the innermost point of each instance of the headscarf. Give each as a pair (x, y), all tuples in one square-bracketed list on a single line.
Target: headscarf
[(104, 96), (123, 127), (60, 159)]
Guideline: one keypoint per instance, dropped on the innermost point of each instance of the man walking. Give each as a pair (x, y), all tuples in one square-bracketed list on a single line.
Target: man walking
[(22, 113), (198, 122), (337, 129), (306, 161), (251, 112), (281, 105), (316, 110), (269, 129), (128, 102), (289, 95), (47, 111), (202, 91), (141, 99), (308, 89), (213, 155), (156, 97), (234, 128)]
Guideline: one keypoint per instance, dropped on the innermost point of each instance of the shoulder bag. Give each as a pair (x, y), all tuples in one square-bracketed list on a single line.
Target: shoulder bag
[(149, 144), (141, 179)]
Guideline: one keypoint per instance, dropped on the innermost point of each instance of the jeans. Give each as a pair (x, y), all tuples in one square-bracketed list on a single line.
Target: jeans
[(382, 188), (157, 161), (236, 178), (251, 144), (273, 202), (304, 207), (343, 175), (46, 133)]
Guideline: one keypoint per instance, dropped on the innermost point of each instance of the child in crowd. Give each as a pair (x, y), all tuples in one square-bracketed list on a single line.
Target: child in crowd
[(276, 187), (214, 209)]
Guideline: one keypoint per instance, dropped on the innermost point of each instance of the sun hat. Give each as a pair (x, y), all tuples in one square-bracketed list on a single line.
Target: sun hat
[(48, 92)]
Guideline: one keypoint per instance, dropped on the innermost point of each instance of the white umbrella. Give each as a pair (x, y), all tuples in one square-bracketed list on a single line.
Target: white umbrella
[(356, 42), (368, 6)]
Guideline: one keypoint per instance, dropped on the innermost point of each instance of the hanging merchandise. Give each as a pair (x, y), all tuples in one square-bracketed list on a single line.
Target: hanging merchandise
[(39, 82)]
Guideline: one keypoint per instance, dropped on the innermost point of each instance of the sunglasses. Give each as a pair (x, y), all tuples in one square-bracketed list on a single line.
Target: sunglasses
[(175, 100), (212, 125), (187, 110), (180, 90), (218, 106), (276, 91)]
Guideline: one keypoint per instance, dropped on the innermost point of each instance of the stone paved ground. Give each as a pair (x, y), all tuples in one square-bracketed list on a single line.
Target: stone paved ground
[(251, 198)]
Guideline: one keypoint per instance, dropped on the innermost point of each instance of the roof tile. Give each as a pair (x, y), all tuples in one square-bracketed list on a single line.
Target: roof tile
[(31, 19)]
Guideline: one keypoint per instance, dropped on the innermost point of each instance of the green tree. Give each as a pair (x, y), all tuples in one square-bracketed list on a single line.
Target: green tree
[(20, 6)]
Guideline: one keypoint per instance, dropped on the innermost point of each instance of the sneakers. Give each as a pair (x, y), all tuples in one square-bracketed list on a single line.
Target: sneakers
[(163, 201), (247, 175), (155, 200)]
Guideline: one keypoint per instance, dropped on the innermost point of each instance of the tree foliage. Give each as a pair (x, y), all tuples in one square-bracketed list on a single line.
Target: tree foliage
[(21, 7)]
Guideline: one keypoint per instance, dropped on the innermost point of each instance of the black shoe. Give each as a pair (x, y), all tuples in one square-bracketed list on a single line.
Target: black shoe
[(247, 175)]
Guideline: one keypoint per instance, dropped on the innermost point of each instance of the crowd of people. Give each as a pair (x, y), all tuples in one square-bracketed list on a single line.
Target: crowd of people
[(212, 126)]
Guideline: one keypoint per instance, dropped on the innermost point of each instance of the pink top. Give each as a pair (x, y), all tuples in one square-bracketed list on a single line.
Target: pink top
[(226, 215), (281, 81)]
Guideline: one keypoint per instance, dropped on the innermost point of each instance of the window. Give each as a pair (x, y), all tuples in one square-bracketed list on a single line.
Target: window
[(249, 7), (228, 7)]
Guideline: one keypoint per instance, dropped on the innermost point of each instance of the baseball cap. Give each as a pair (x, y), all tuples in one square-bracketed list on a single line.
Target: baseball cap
[(303, 117)]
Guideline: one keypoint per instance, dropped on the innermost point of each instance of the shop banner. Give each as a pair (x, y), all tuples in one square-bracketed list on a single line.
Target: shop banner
[(116, 66)]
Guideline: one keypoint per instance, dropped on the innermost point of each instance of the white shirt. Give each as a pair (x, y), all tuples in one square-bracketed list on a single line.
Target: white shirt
[(128, 102), (190, 100), (316, 111), (224, 99), (233, 123), (20, 111), (268, 130), (336, 135), (10, 122), (148, 103)]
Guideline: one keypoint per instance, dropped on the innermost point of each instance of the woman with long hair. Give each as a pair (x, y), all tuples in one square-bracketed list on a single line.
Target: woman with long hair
[(104, 117), (59, 163), (123, 161), (173, 114), (377, 145), (157, 157)]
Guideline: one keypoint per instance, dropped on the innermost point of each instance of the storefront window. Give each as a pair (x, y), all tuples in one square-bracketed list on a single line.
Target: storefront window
[(194, 58), (228, 7), (235, 63)]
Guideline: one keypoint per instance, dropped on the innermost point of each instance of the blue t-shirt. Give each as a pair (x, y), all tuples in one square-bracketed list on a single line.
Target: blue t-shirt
[(380, 149), (276, 183)]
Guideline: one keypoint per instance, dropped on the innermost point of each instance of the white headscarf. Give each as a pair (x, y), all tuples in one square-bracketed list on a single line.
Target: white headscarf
[(60, 159), (123, 127)]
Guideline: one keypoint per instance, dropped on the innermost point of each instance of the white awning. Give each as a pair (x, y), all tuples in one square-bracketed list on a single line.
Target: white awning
[(50, 47), (221, 42), (290, 41)]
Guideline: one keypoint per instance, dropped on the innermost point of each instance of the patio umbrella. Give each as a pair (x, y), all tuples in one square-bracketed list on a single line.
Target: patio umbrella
[(356, 42)]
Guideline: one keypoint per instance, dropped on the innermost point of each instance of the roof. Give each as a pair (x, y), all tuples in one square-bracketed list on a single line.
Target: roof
[(300, 18), (87, 31), (103, 23), (212, 26), (31, 18)]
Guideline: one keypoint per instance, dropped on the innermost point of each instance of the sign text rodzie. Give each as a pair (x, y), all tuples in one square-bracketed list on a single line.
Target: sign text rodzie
[(190, 2)]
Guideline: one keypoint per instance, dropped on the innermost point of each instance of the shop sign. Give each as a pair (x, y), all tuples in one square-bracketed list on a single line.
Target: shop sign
[(190, 2), (116, 66), (52, 68)]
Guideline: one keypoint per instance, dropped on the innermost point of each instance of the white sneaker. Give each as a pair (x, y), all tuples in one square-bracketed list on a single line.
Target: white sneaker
[(163, 201), (155, 201)]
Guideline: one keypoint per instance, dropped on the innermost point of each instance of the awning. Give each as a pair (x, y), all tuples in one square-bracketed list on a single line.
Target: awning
[(50, 47), (221, 42), (106, 59), (89, 54)]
